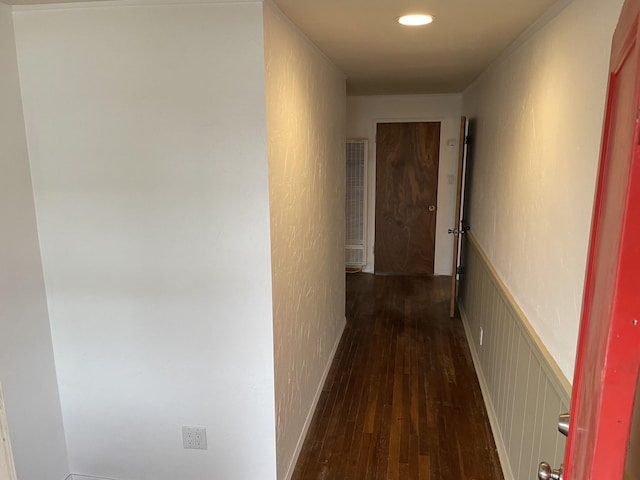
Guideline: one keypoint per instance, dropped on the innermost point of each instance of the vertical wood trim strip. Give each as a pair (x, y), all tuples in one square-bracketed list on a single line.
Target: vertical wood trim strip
[(7, 468), (511, 364)]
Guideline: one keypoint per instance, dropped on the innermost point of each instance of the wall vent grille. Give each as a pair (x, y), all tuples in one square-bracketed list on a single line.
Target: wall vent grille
[(355, 207)]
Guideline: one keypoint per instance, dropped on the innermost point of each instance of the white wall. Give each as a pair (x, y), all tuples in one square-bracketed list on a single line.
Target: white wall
[(306, 117), (146, 127), (539, 114), (363, 113), (27, 370)]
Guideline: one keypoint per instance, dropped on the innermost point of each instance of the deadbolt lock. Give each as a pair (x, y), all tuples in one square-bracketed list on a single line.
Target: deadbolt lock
[(432, 208), (563, 424)]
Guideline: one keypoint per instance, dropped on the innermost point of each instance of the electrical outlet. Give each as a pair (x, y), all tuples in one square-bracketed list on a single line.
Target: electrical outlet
[(481, 335), (194, 437)]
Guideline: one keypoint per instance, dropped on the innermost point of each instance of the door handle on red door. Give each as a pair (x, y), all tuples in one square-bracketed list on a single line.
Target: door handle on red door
[(545, 472)]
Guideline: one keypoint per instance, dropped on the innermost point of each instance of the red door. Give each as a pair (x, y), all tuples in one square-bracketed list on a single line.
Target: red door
[(604, 384)]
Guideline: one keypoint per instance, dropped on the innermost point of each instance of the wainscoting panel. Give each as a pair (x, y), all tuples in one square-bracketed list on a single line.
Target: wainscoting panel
[(523, 387)]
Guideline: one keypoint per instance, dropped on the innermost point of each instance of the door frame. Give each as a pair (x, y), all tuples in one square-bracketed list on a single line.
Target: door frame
[(442, 219)]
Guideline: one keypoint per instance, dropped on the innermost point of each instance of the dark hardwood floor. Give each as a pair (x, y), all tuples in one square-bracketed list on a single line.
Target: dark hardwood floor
[(402, 400)]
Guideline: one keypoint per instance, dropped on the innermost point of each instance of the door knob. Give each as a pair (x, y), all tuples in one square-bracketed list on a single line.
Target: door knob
[(545, 472), (563, 424), (432, 208)]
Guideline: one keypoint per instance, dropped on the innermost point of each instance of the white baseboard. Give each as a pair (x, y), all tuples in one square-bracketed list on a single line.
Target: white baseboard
[(491, 412), (314, 404)]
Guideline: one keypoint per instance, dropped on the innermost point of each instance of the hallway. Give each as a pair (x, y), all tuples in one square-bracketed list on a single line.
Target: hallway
[(402, 400)]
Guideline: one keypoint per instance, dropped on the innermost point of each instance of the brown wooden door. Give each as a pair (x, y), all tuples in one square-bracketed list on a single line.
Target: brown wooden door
[(457, 231), (608, 360), (406, 193), (467, 185)]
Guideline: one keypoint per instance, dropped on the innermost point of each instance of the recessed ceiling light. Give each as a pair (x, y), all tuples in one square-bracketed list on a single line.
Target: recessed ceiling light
[(414, 20)]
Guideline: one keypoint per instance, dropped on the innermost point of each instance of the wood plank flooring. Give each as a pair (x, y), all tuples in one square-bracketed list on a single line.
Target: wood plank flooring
[(402, 400)]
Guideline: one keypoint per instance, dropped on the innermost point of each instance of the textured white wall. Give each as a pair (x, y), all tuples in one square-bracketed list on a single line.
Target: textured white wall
[(27, 370), (539, 116), (146, 127), (306, 116), (362, 115)]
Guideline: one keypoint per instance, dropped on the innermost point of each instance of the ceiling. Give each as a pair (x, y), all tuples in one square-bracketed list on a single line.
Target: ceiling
[(380, 57)]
